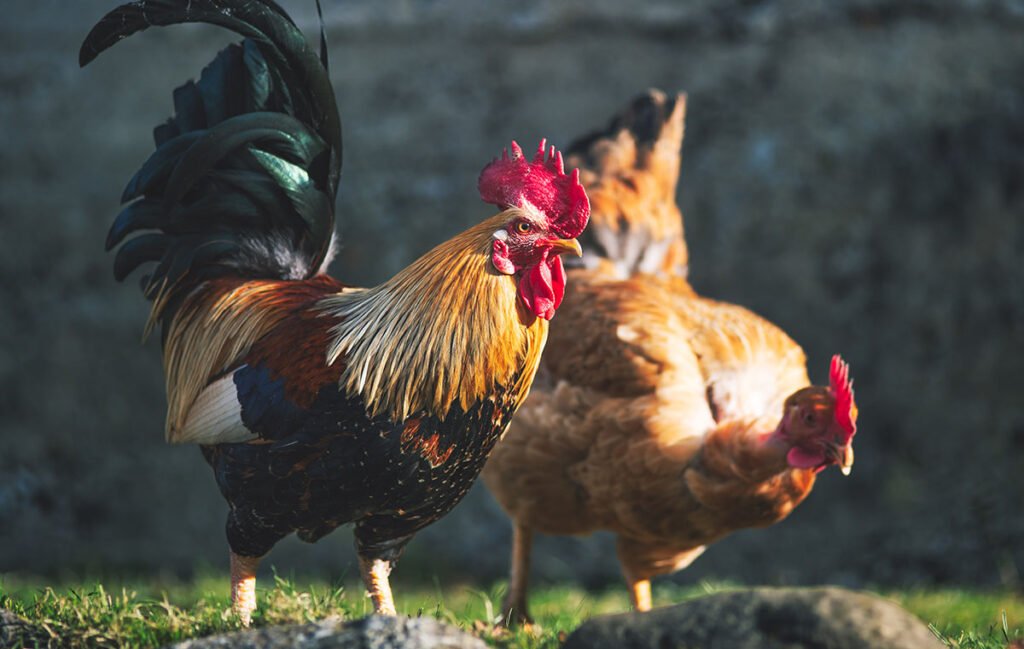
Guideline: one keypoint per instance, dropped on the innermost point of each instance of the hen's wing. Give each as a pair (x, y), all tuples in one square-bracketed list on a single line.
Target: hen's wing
[(749, 365), (637, 373)]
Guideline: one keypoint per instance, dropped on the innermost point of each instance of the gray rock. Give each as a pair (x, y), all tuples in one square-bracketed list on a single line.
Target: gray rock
[(373, 632), (16, 631), (763, 618)]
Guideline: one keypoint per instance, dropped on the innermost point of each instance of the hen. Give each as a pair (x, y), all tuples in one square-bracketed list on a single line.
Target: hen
[(317, 404), (667, 418)]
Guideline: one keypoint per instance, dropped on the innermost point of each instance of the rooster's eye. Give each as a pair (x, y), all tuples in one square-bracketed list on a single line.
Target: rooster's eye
[(523, 227)]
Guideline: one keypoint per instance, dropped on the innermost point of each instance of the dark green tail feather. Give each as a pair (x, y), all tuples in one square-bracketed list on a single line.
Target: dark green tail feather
[(245, 174)]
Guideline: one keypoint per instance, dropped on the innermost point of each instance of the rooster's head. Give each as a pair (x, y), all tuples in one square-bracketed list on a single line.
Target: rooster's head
[(547, 210), (819, 423)]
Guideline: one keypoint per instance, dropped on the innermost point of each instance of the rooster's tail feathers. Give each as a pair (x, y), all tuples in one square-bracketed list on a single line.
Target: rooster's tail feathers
[(244, 176)]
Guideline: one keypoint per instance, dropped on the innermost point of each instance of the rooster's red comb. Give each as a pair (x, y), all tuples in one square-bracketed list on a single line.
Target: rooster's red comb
[(842, 389), (542, 184)]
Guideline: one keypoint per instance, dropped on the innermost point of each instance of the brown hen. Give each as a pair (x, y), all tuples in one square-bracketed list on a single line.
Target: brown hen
[(665, 417)]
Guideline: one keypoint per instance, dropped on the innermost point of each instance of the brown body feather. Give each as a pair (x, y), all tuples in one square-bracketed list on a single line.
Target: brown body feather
[(648, 419)]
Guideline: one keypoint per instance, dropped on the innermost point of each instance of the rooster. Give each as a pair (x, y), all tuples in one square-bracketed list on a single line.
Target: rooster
[(667, 418), (315, 403)]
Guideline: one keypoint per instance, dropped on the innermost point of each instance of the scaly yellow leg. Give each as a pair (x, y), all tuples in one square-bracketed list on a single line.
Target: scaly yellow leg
[(243, 586), (375, 575)]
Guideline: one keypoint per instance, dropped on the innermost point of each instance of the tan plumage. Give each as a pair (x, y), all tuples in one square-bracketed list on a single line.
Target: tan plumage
[(623, 405), (655, 412)]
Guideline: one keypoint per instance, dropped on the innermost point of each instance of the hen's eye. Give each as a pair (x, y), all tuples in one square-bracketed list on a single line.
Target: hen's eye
[(523, 227)]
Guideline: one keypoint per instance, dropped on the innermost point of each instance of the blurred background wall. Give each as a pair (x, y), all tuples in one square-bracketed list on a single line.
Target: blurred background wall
[(853, 170)]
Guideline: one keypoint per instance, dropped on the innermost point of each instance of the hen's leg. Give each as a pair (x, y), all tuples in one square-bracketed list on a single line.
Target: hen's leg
[(634, 558), (514, 610), (243, 586), (639, 591), (640, 562)]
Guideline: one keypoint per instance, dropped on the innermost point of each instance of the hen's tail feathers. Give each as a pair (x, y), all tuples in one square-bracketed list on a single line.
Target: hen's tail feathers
[(630, 170), (244, 176)]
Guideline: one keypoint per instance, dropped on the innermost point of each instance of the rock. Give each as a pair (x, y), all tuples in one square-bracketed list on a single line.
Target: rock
[(763, 618), (373, 632), (16, 631)]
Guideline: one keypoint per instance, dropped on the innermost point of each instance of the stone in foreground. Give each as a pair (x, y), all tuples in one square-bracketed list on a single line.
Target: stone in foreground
[(16, 631), (763, 618), (373, 632)]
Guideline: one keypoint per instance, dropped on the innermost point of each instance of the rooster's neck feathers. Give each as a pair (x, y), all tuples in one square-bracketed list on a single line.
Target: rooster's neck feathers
[(450, 316)]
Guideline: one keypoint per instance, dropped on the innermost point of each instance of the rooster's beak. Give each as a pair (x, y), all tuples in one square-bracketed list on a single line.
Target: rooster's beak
[(842, 455), (558, 246)]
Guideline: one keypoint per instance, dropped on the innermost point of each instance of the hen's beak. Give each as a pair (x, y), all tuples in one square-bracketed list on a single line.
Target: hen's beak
[(842, 455), (558, 246)]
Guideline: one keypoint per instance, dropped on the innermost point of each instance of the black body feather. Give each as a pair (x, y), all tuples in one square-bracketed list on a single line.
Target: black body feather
[(244, 177), (328, 464)]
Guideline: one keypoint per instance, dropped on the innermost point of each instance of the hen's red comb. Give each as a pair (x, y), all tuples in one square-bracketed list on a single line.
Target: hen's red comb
[(842, 389), (542, 183)]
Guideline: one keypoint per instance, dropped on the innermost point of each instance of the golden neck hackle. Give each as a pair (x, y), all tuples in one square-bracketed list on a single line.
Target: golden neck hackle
[(449, 316)]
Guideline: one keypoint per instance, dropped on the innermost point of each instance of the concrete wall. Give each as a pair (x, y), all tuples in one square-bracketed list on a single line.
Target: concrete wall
[(852, 169)]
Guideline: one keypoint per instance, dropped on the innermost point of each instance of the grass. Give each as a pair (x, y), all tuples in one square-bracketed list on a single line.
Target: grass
[(147, 614)]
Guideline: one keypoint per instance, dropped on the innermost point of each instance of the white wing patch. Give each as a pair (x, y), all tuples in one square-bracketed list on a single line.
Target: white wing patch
[(215, 417), (757, 388)]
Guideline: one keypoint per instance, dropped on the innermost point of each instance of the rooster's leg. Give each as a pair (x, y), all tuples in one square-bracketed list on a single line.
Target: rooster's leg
[(375, 575), (243, 586), (514, 611)]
